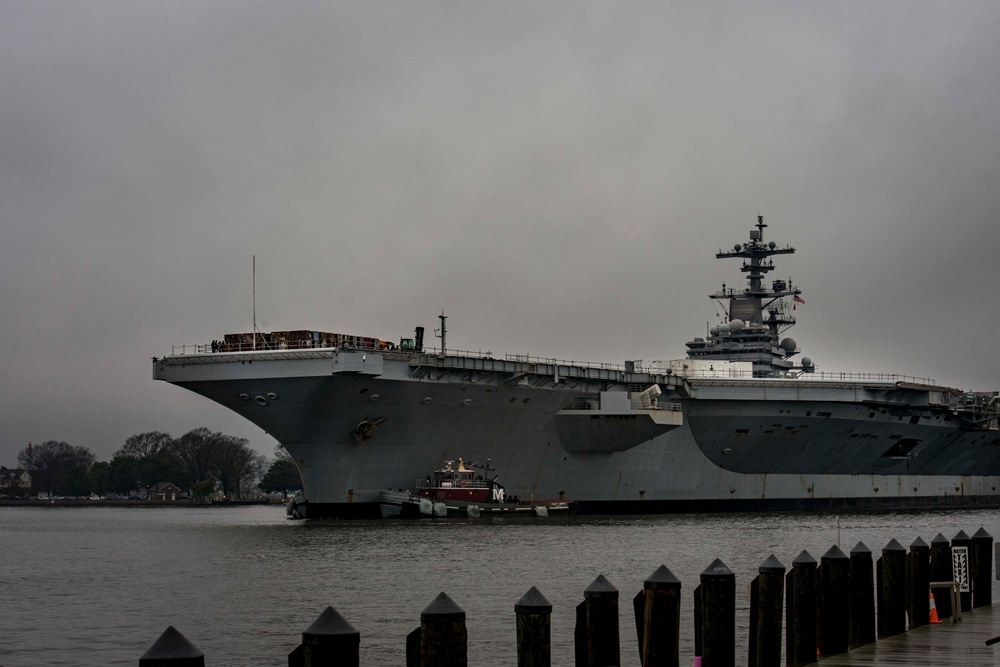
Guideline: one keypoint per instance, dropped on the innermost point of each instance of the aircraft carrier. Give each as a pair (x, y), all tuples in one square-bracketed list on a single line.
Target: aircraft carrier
[(739, 425)]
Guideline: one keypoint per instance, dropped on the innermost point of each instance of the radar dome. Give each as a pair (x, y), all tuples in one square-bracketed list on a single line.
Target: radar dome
[(788, 345), (807, 362), (724, 329), (714, 331), (771, 245), (737, 247), (736, 325)]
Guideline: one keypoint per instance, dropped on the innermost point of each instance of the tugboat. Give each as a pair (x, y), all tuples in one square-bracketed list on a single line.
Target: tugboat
[(462, 484), (461, 491)]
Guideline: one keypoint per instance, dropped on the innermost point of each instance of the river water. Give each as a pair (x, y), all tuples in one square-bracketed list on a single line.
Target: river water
[(97, 586)]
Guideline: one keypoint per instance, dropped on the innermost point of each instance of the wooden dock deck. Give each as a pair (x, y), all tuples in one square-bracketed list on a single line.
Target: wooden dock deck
[(962, 643)]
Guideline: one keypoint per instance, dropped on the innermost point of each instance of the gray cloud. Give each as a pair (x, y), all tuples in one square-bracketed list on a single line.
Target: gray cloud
[(557, 177)]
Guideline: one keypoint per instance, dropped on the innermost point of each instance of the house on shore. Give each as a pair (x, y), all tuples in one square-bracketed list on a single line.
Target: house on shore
[(14, 481), (165, 491)]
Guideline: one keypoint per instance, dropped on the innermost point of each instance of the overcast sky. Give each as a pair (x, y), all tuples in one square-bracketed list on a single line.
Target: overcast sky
[(555, 176)]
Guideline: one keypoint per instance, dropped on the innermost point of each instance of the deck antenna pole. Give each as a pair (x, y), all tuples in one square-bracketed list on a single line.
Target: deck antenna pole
[(443, 330), (254, 347)]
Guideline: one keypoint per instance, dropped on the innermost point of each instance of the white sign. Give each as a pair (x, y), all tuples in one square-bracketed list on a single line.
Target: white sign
[(960, 567)]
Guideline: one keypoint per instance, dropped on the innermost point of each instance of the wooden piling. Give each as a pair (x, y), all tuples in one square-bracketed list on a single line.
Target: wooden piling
[(718, 616), (800, 611), (661, 620), (829, 609), (767, 600), (600, 617), (412, 648), (982, 568), (639, 613), (963, 540), (891, 582), (534, 630), (581, 656), (834, 611), (172, 649), (697, 609), (444, 640), (862, 595), (918, 584), (941, 571), (329, 640)]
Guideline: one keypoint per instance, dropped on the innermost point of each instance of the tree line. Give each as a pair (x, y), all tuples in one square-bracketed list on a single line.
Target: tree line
[(201, 461)]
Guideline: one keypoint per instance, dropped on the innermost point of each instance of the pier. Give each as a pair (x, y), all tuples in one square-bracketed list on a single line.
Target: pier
[(945, 645)]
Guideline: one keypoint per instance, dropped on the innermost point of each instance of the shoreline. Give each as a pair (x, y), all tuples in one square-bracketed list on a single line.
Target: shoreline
[(69, 502)]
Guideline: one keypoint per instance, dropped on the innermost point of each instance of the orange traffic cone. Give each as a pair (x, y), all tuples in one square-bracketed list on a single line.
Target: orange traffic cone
[(934, 616)]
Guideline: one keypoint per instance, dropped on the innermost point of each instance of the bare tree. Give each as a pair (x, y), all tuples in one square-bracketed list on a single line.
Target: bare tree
[(234, 464), (52, 461), (256, 472), (142, 445), (280, 453), (195, 452)]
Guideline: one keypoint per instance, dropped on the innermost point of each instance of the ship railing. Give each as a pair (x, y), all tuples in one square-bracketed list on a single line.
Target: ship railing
[(817, 376), (220, 347), (264, 345), (272, 346), (458, 484), (552, 361), (726, 374), (881, 378), (635, 403), (656, 404), (311, 345)]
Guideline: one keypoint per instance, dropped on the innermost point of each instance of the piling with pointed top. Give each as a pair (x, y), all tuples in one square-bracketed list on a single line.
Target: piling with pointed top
[(328, 640), (442, 639), (918, 583), (659, 630), (982, 568), (172, 649), (718, 615), (891, 584), (862, 596), (597, 635), (834, 610), (534, 629), (941, 570), (800, 611), (767, 598), (963, 540)]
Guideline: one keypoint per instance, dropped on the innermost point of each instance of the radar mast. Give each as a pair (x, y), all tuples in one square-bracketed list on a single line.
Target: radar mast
[(757, 315)]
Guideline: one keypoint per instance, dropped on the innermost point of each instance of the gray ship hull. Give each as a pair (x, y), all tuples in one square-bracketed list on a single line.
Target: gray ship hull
[(361, 423)]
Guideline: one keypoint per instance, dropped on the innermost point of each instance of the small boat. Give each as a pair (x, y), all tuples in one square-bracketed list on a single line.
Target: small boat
[(461, 491)]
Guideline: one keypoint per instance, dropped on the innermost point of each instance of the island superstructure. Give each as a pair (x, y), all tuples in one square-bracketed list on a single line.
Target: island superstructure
[(737, 425)]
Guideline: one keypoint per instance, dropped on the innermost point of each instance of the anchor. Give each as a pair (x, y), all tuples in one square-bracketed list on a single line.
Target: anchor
[(366, 429)]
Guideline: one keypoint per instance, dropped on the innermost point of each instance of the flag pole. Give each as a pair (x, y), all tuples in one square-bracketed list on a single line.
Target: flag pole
[(254, 302)]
